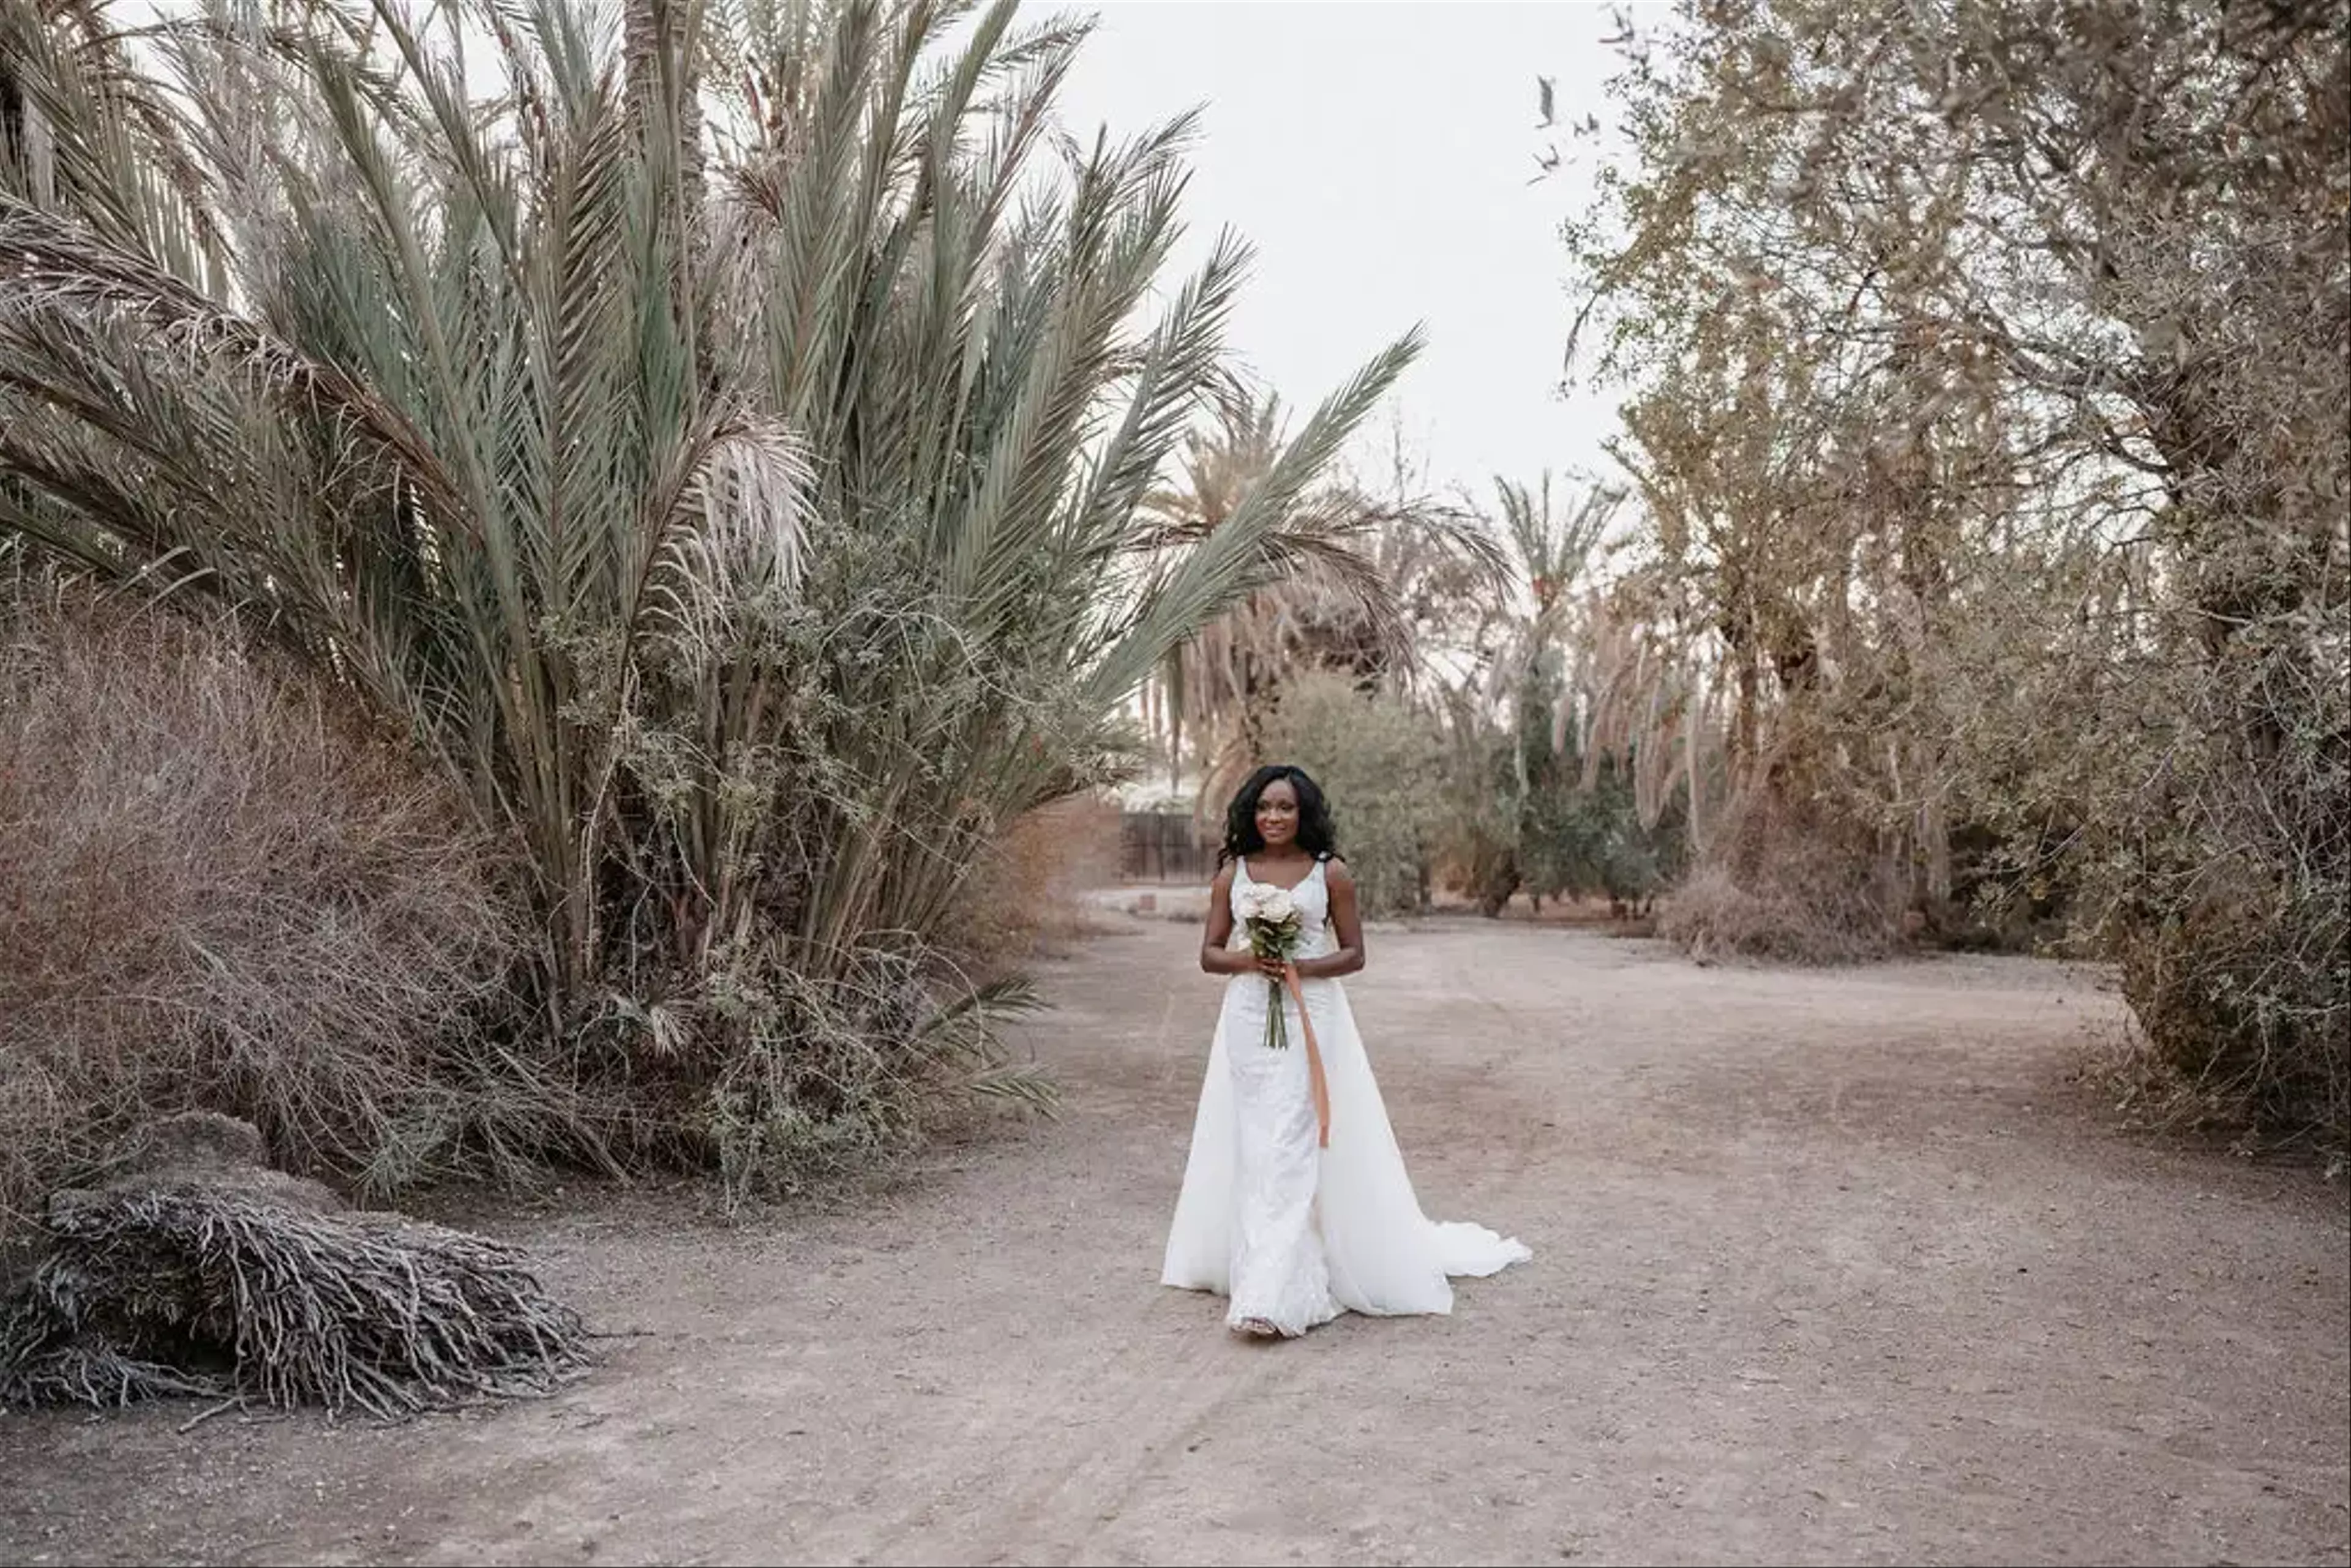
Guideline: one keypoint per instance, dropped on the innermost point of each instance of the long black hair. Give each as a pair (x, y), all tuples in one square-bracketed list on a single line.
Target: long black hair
[(1315, 835)]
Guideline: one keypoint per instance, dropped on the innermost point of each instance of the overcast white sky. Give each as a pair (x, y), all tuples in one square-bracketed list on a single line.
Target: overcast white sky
[(1378, 153)]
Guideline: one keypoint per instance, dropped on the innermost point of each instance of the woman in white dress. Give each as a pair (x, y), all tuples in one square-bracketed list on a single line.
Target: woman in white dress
[(1295, 1205)]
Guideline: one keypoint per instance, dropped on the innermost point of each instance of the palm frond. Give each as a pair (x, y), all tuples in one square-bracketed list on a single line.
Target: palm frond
[(723, 433)]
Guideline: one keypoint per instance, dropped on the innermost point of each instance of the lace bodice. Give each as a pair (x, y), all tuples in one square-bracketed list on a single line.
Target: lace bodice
[(1313, 897)]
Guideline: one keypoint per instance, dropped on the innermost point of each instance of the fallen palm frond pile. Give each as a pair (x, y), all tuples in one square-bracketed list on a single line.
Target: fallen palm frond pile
[(193, 1269)]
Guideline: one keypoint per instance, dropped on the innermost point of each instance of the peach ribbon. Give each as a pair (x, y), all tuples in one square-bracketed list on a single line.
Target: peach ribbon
[(1313, 1055)]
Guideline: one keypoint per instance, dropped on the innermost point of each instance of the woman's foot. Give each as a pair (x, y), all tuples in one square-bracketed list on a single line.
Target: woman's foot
[(1257, 1328)]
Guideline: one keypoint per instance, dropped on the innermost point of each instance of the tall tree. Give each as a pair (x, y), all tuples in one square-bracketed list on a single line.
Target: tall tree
[(1985, 365), (1374, 573), (722, 442)]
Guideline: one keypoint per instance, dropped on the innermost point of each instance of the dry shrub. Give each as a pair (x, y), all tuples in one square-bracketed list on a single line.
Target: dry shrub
[(1783, 884), (2240, 999), (1029, 895), (216, 894), (1779, 919), (1382, 763), (817, 1081)]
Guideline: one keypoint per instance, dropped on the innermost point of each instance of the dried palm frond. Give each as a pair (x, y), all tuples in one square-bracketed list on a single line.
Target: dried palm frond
[(225, 1279)]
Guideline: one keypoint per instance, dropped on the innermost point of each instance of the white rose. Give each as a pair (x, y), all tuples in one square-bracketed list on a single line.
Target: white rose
[(1277, 907), (1252, 901)]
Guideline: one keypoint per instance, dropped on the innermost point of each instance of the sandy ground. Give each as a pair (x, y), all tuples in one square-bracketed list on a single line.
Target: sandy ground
[(1829, 1268)]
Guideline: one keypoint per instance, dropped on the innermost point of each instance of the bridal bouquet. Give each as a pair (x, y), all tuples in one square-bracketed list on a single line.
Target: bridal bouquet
[(1269, 915)]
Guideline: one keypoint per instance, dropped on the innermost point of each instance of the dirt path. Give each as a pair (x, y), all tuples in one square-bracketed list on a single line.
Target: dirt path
[(1828, 1269)]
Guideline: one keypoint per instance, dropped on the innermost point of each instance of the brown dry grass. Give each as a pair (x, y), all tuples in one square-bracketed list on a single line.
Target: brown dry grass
[(216, 894), (1784, 883), (1025, 902)]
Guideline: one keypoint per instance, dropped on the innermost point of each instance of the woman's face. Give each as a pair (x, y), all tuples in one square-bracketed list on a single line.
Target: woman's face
[(1277, 814)]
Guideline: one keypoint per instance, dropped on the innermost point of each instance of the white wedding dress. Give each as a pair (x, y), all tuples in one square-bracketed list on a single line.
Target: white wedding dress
[(1293, 1234)]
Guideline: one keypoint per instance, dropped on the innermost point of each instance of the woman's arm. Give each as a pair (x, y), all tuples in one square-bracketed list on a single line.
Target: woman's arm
[(1217, 958), (1345, 929)]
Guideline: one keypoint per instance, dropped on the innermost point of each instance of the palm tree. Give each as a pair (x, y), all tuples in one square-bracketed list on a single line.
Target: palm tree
[(741, 491), (1585, 714), (1367, 571)]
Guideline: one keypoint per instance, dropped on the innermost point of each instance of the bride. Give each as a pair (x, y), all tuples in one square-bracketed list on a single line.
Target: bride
[(1295, 1203)]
